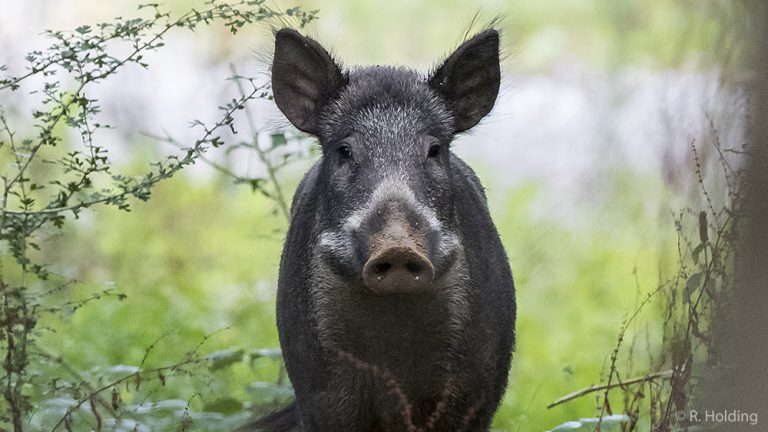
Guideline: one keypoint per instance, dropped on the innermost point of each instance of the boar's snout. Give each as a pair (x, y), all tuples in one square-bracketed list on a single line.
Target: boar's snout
[(398, 261), (398, 269)]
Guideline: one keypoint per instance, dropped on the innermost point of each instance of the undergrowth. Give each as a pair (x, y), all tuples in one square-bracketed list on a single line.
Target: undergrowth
[(51, 179)]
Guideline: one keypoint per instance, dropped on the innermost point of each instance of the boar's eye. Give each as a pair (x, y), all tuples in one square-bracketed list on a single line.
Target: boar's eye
[(345, 153), (434, 151)]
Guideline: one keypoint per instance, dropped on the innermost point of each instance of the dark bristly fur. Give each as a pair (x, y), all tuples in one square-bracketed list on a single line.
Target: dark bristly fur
[(396, 305), (284, 420)]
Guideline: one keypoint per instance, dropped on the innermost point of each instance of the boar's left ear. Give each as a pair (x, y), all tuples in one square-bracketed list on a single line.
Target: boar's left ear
[(304, 78), (469, 79)]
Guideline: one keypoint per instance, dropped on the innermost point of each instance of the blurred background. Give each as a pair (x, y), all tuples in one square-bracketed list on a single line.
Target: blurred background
[(587, 159)]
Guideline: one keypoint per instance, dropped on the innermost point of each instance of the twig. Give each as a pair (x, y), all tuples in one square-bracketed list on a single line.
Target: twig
[(136, 377), (217, 166), (189, 158), (700, 177), (271, 171), (615, 353), (594, 388)]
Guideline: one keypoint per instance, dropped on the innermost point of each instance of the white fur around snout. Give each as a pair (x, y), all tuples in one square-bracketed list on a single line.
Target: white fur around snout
[(335, 243), (338, 242), (390, 189)]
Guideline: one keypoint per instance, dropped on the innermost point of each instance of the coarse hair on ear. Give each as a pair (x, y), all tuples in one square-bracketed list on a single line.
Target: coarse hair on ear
[(469, 79), (304, 78)]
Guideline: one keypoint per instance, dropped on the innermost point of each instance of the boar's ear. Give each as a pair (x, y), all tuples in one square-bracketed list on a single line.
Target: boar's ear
[(469, 79), (304, 77)]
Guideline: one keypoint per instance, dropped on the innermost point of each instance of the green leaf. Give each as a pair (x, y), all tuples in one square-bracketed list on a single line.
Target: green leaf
[(221, 359), (274, 353), (568, 426), (122, 370), (692, 284), (278, 140), (607, 424), (267, 392), (168, 405), (224, 406), (697, 251)]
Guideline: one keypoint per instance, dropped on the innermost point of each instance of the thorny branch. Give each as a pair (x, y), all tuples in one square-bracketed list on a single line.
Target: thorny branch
[(82, 59)]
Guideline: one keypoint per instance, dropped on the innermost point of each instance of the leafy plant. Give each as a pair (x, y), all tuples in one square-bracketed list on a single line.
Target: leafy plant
[(50, 179), (693, 301)]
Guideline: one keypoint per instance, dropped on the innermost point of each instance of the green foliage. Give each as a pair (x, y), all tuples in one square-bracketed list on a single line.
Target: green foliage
[(607, 424), (575, 284), (52, 179), (666, 337), (162, 318)]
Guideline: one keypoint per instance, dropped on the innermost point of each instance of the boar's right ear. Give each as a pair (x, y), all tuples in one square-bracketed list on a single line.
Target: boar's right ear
[(469, 79), (304, 78)]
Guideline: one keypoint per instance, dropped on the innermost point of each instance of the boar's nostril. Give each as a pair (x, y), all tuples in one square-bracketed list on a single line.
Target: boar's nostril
[(382, 267), (398, 269), (414, 267)]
